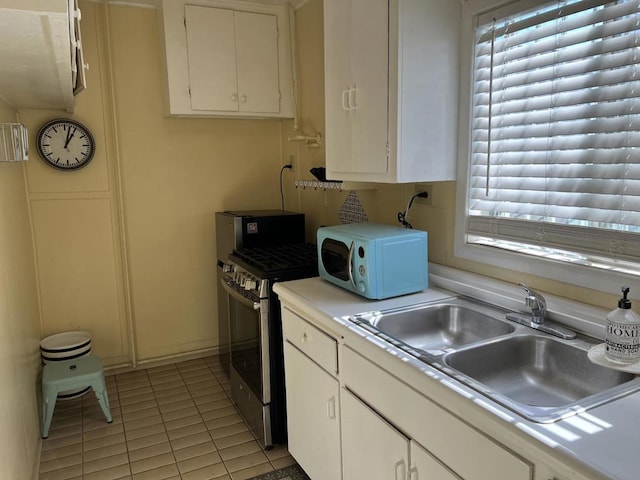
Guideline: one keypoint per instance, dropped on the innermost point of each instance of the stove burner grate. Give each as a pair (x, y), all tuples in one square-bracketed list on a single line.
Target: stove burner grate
[(286, 258)]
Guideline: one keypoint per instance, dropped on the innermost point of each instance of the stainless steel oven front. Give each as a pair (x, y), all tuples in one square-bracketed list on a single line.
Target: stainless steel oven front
[(249, 335)]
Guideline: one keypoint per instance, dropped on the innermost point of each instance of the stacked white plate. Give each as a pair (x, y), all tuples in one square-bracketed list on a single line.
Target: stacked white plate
[(66, 346)]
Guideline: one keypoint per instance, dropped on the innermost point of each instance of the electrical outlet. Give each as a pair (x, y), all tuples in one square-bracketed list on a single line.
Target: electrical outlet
[(421, 187), (292, 161)]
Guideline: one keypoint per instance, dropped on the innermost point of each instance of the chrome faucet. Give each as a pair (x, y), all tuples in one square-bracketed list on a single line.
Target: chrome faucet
[(537, 319), (536, 303)]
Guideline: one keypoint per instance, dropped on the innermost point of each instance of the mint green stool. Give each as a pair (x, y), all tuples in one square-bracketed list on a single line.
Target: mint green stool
[(80, 372)]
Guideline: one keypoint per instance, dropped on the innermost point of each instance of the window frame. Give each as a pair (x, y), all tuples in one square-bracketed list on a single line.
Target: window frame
[(580, 275)]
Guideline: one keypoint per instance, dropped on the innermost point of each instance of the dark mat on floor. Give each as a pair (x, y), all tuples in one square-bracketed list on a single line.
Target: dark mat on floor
[(293, 472)]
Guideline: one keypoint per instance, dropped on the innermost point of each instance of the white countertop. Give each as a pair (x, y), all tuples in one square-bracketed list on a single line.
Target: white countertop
[(600, 443)]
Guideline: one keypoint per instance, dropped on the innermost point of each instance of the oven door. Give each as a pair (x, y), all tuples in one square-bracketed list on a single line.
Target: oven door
[(249, 340)]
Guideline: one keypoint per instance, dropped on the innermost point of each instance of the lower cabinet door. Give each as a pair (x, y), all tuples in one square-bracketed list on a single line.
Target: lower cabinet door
[(313, 416), (374, 449), (425, 466)]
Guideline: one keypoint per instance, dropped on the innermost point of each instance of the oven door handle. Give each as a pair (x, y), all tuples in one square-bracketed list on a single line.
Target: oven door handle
[(241, 298)]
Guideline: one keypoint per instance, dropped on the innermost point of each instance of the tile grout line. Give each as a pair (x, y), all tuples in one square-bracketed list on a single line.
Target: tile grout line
[(202, 419), (206, 375), (164, 428)]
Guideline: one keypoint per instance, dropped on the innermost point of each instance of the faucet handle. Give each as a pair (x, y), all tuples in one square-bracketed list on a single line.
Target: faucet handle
[(528, 291), (534, 299)]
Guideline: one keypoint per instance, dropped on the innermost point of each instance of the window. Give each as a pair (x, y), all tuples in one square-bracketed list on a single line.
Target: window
[(555, 133)]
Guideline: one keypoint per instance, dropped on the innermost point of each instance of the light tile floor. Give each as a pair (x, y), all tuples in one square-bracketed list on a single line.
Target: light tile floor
[(171, 422)]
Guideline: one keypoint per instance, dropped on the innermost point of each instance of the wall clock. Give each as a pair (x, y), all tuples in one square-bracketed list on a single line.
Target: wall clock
[(65, 144)]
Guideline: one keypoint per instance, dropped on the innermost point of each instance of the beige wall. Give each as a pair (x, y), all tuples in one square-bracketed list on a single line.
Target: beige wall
[(383, 203), (127, 244), (19, 326), (76, 219), (125, 247), (176, 173)]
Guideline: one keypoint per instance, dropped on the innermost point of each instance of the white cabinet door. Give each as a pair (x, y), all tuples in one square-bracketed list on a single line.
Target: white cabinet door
[(313, 416), (369, 97), (356, 86), (212, 58), (391, 72), (373, 448), (233, 60), (257, 62), (425, 466)]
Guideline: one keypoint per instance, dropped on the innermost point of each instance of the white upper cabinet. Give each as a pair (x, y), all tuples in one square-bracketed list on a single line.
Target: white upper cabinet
[(42, 62), (227, 59), (391, 89)]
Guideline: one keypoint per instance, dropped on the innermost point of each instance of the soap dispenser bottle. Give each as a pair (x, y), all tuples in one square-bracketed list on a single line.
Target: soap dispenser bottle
[(622, 343)]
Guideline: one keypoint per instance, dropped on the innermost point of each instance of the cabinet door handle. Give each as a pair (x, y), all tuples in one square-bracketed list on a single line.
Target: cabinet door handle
[(304, 337), (331, 408), (400, 470), (352, 98), (243, 98), (234, 97), (345, 100), (413, 474)]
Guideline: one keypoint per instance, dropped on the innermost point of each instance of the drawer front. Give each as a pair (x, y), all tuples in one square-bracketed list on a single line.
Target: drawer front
[(316, 344), (466, 451)]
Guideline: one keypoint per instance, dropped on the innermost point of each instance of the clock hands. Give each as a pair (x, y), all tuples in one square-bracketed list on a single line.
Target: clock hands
[(69, 137)]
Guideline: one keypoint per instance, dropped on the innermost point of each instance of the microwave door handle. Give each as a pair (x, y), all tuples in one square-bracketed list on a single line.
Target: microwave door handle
[(243, 300), (350, 262)]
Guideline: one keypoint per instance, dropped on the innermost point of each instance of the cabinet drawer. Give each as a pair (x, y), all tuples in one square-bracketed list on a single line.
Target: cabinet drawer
[(316, 344), (463, 449)]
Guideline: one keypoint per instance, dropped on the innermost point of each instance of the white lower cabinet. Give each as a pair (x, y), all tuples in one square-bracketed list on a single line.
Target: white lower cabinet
[(354, 413), (313, 407), (425, 466), (376, 450), (373, 448), (451, 443), (352, 420)]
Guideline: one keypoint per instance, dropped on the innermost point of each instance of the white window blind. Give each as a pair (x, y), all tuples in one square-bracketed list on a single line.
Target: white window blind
[(556, 127)]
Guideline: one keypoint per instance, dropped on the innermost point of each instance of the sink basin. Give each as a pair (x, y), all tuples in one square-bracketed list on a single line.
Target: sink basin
[(539, 377), (440, 326)]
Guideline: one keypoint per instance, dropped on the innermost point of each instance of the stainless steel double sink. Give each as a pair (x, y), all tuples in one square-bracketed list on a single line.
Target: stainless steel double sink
[(540, 377)]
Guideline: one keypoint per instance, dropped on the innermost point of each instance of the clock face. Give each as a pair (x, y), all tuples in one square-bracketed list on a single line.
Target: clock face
[(65, 144)]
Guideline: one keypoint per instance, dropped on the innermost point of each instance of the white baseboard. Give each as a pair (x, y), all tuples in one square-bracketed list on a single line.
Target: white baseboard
[(160, 361)]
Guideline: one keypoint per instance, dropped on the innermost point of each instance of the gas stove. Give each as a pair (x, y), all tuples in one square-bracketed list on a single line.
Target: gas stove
[(252, 271), (278, 262), (255, 324)]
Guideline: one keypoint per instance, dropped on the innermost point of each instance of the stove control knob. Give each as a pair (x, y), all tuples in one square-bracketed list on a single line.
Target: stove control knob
[(226, 268), (250, 284)]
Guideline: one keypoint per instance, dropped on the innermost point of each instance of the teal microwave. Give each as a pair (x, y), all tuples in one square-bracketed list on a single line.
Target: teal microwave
[(373, 260)]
